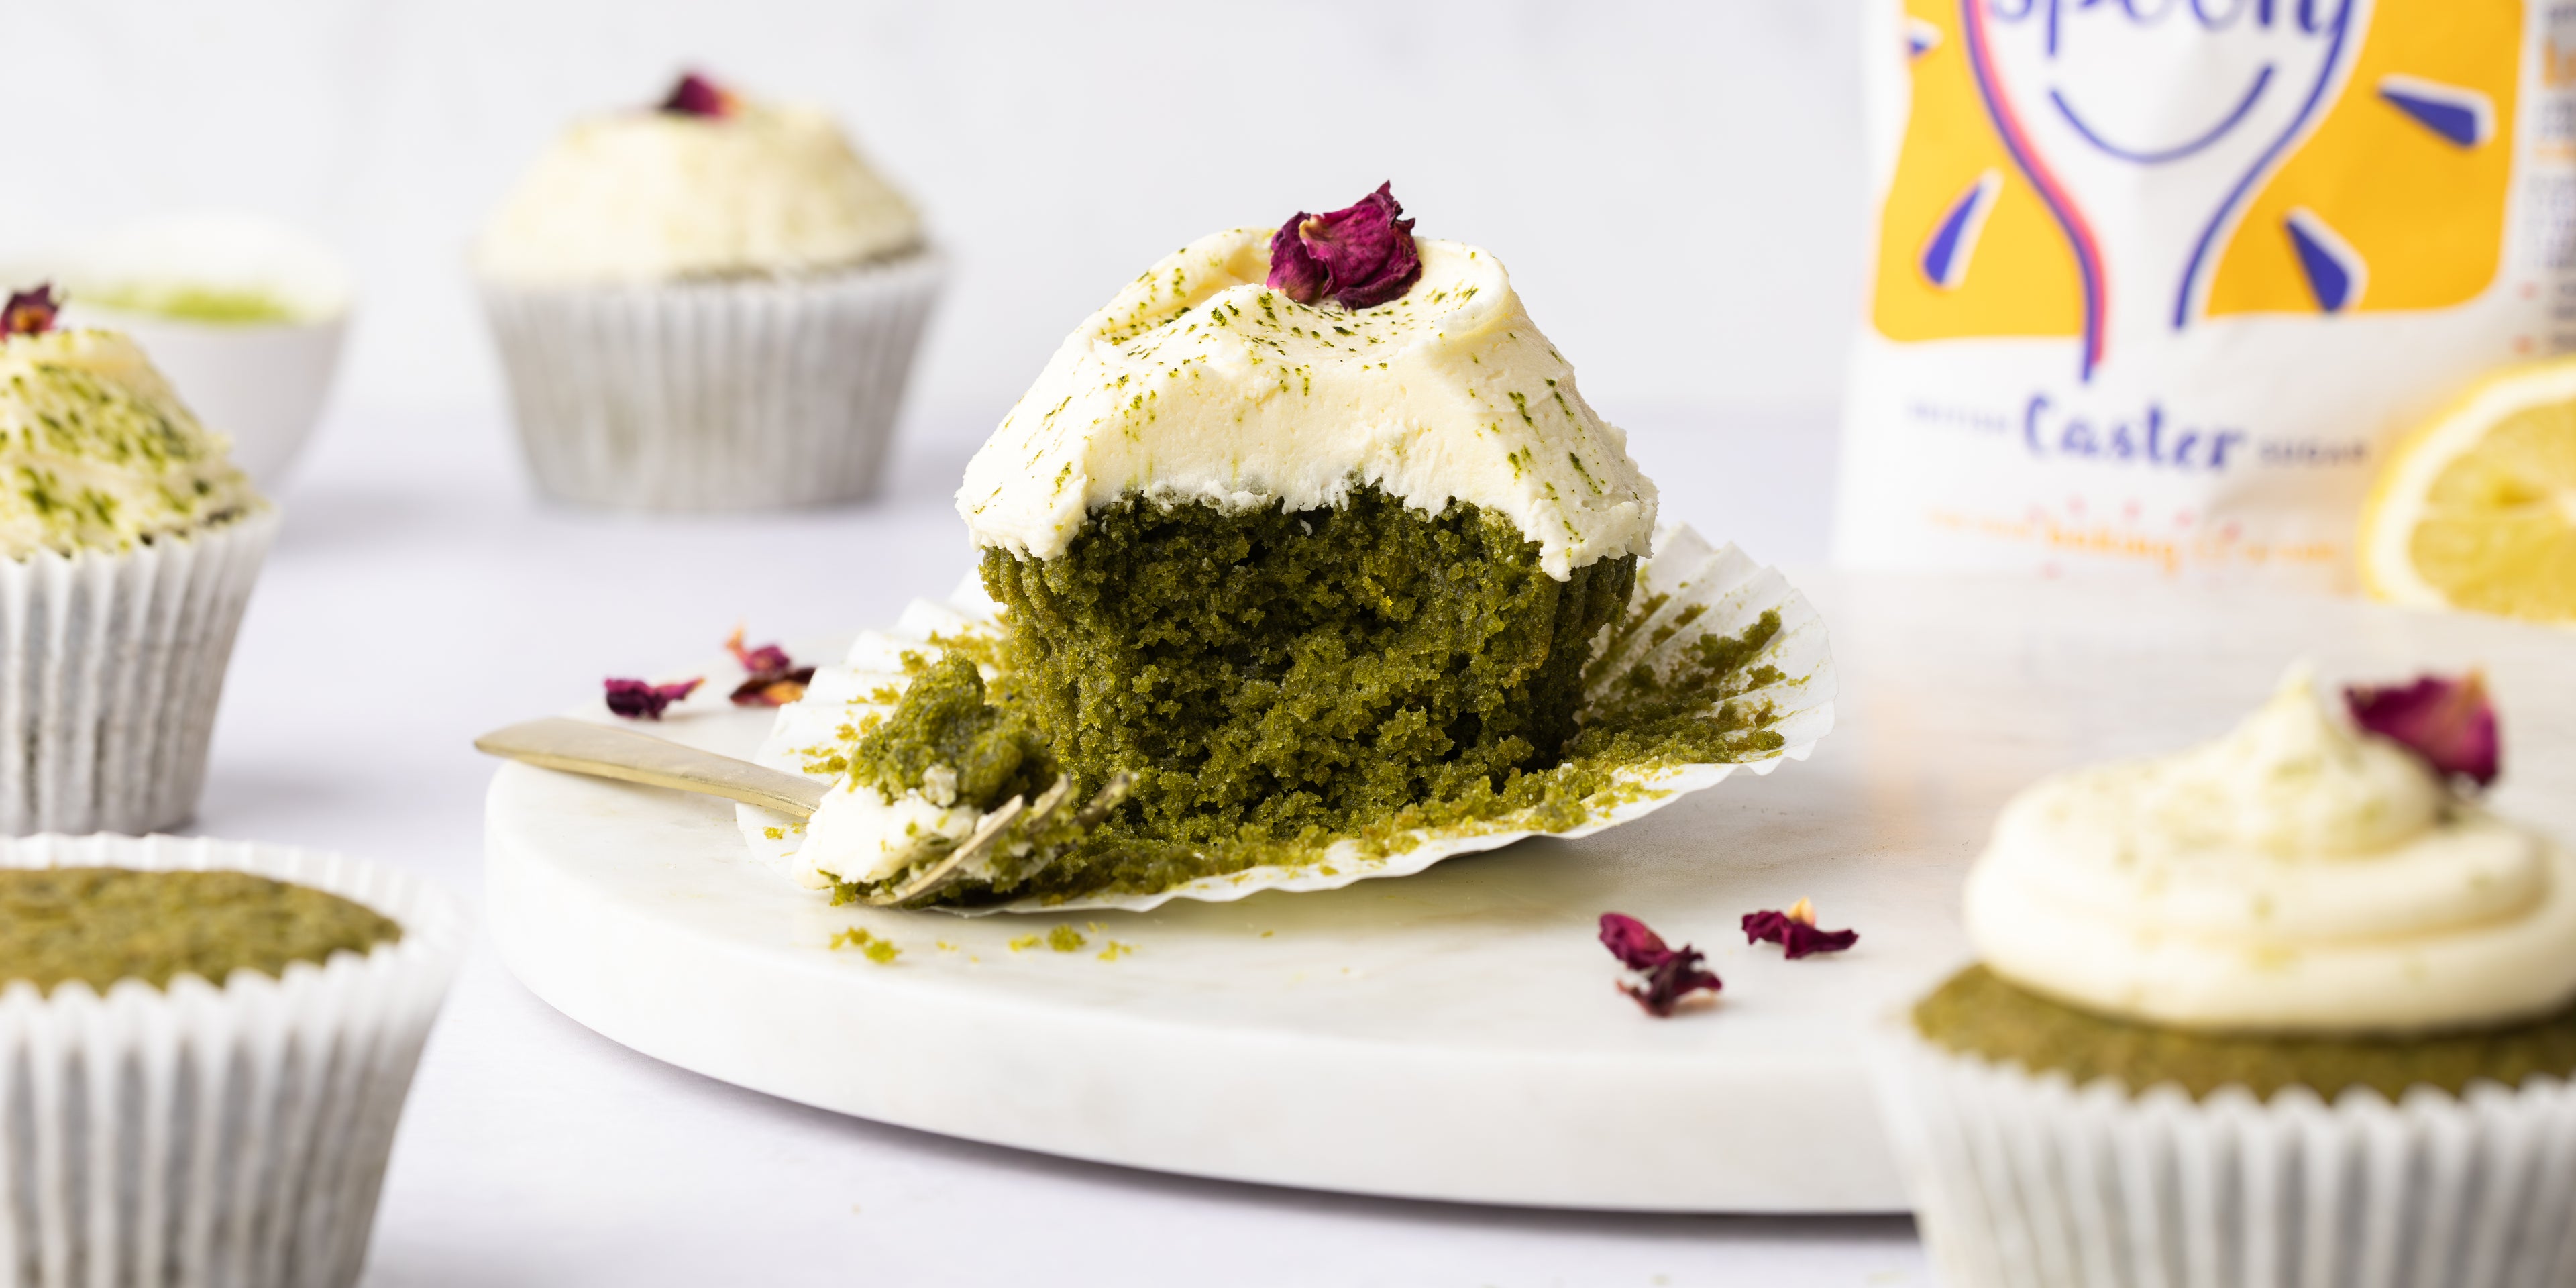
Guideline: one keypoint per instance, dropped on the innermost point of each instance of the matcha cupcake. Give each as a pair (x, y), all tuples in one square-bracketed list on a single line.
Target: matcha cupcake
[(2288, 1008), (206, 1046), (1303, 559), (132, 543), (709, 305)]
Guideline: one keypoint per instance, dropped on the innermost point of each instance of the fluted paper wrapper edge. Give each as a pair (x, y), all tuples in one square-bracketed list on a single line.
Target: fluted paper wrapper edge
[(744, 394), (2027, 1181), (111, 667)]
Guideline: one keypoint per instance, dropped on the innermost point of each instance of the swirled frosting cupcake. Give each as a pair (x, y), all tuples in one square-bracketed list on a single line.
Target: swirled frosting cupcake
[(711, 304), (128, 545), (2297, 875), (2303, 950)]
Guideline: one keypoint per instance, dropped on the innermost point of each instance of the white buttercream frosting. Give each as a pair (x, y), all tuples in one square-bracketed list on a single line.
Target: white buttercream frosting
[(98, 454), (1200, 383), (2293, 876), (647, 196)]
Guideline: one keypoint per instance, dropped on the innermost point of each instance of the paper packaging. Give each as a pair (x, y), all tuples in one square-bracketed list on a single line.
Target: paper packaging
[(2155, 283)]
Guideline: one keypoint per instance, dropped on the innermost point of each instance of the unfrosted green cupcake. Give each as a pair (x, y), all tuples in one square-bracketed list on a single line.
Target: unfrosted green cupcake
[(206, 1045)]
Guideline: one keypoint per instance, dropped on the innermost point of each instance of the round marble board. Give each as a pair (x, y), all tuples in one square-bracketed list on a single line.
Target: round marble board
[(1455, 1035)]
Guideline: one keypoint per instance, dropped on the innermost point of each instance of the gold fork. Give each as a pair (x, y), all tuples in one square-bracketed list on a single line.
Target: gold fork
[(607, 751)]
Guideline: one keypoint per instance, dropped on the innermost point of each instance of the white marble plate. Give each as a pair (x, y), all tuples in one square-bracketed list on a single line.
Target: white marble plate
[(1455, 1034)]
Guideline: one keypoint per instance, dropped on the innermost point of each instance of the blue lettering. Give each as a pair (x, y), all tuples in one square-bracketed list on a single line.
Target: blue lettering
[(2144, 438), (2079, 440), (2315, 17), (2333, 26), (2218, 448)]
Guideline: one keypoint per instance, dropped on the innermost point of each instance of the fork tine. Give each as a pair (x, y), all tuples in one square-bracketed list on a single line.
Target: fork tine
[(1048, 801), (1015, 814), (1111, 792), (939, 875)]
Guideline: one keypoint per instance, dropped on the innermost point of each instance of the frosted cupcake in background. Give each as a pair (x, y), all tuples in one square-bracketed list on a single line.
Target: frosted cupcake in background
[(205, 1047), (2288, 1008), (131, 544), (709, 305)]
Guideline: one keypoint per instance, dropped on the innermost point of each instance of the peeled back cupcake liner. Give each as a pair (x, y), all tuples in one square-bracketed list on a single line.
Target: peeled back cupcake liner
[(1689, 590), (206, 1134), (2024, 1180), (111, 667), (732, 394)]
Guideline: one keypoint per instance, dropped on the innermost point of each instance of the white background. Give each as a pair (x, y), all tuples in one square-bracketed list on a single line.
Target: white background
[(1676, 187)]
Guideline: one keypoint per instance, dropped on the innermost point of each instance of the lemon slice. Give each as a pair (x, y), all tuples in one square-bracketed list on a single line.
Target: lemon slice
[(2477, 509)]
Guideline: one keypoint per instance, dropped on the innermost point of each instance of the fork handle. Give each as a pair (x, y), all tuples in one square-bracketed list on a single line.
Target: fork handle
[(606, 751)]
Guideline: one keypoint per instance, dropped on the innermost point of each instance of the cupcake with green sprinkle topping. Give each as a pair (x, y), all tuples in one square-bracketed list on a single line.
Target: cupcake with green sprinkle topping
[(205, 1046), (2289, 1007), (131, 543)]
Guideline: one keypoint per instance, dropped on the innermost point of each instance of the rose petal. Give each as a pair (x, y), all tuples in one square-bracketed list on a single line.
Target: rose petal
[(30, 312), (695, 95), (1804, 939), (1636, 947), (2448, 722), (768, 659), (1294, 270), (1668, 984), (643, 700), (1799, 937), (1367, 247), (1672, 974), (773, 688), (1360, 256)]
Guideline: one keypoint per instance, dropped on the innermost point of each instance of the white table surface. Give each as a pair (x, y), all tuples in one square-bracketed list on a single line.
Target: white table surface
[(421, 594)]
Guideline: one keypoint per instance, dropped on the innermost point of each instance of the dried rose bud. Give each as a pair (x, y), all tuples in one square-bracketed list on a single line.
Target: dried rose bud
[(30, 312), (695, 95), (774, 680), (1795, 931), (2450, 723), (773, 691), (1672, 974), (1358, 256), (642, 700)]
